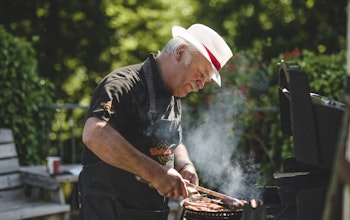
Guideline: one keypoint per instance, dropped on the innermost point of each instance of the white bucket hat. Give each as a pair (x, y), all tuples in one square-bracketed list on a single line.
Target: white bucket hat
[(209, 43)]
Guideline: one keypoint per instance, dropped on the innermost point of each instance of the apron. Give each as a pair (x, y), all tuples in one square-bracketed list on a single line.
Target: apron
[(101, 199), (100, 183)]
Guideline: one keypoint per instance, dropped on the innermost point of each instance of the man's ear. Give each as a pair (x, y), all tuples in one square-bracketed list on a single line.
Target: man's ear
[(180, 52)]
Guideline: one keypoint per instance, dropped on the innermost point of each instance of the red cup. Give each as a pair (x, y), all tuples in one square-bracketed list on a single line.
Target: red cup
[(53, 165), (56, 166)]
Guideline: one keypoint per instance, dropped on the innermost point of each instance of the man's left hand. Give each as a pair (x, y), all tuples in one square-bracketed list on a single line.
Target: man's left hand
[(189, 173)]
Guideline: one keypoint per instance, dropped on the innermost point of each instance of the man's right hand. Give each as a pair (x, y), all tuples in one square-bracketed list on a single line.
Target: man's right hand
[(170, 184)]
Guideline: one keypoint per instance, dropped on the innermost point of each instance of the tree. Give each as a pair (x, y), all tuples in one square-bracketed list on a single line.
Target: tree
[(80, 42), (273, 27)]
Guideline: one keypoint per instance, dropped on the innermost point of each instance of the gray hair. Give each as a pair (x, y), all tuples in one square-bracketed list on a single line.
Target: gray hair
[(175, 43)]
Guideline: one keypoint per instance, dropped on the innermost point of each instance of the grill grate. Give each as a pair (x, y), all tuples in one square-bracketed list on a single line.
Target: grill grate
[(198, 215)]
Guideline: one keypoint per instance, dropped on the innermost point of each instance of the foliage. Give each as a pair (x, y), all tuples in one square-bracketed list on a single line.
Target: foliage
[(66, 130), (141, 27), (24, 98), (263, 136), (326, 74), (252, 85), (78, 43), (247, 75), (272, 27)]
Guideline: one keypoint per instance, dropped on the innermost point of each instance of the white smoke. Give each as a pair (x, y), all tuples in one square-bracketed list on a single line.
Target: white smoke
[(212, 145)]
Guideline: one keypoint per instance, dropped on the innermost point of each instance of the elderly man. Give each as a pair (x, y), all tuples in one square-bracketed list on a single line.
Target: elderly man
[(134, 159)]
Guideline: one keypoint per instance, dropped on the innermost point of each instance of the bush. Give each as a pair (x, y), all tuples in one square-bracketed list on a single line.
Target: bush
[(263, 136), (24, 98), (253, 87)]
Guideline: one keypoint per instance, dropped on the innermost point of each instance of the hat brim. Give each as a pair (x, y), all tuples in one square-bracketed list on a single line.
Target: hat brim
[(178, 31)]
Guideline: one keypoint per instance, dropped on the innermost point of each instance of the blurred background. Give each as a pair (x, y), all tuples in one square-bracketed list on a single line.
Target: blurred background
[(54, 53)]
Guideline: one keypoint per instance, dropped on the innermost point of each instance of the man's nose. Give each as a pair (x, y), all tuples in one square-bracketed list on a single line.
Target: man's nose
[(201, 84)]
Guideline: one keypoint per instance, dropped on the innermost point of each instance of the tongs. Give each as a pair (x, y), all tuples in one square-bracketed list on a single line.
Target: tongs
[(226, 201)]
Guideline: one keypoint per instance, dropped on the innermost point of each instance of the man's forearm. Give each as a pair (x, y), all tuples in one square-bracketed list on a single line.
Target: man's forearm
[(182, 158), (108, 144)]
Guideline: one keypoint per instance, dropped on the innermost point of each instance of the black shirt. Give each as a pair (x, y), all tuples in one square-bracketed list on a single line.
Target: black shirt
[(123, 100)]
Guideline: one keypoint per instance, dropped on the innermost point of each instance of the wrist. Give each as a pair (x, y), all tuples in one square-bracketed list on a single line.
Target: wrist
[(184, 167)]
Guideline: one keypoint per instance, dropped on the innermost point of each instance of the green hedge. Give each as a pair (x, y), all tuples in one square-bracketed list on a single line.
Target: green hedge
[(24, 98)]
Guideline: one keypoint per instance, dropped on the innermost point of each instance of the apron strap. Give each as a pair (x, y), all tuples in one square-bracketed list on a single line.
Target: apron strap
[(152, 96)]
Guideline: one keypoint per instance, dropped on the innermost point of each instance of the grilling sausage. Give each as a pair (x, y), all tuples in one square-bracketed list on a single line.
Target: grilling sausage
[(199, 205), (210, 205)]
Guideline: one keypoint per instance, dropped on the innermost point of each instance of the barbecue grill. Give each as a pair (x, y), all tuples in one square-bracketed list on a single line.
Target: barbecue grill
[(223, 215), (248, 212), (314, 122)]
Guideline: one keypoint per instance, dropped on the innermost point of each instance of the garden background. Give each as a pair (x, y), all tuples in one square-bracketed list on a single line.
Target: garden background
[(54, 53)]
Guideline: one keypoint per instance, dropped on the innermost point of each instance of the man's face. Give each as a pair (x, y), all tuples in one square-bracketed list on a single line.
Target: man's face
[(191, 77)]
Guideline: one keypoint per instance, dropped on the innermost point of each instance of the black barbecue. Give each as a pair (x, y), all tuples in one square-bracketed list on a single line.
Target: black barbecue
[(314, 122)]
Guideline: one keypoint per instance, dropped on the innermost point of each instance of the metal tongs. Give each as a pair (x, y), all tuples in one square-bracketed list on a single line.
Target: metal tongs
[(225, 200)]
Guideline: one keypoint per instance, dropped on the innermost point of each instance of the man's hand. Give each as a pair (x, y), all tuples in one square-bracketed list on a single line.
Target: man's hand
[(189, 173), (170, 184), (184, 165)]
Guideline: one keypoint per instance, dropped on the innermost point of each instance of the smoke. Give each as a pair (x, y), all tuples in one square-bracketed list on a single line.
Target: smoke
[(212, 147)]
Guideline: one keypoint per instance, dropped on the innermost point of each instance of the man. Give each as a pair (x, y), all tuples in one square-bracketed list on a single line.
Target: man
[(134, 159)]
